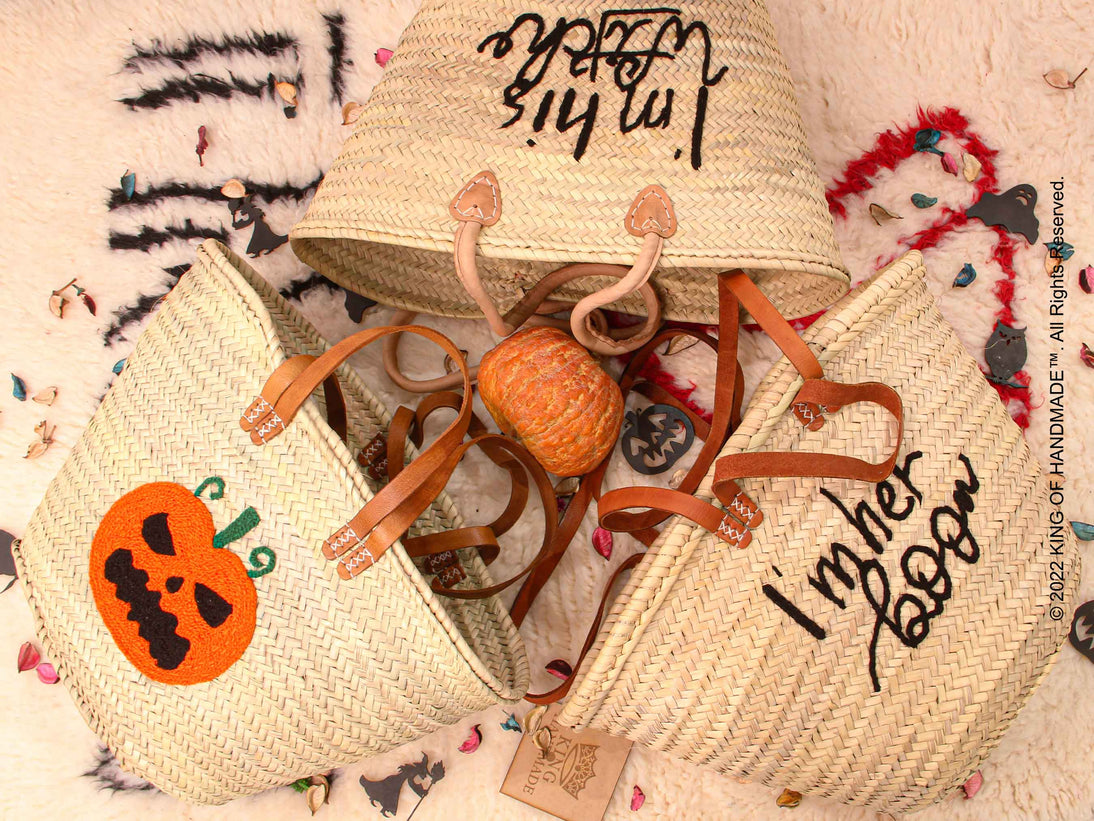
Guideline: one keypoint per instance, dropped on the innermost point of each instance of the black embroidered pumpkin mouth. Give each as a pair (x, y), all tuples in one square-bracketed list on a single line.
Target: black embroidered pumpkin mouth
[(156, 626)]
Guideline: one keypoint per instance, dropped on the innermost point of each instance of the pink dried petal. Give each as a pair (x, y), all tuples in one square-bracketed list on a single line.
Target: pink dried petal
[(559, 668), (602, 542), (1086, 279), (949, 164), (28, 657), (638, 798), (383, 55), (203, 144), (1087, 356), (473, 740), (973, 785), (46, 673)]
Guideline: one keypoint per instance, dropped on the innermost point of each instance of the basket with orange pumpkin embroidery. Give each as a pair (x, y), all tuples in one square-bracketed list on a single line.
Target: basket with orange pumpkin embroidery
[(194, 571)]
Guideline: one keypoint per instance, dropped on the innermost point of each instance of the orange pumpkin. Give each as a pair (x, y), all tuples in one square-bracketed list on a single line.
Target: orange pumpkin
[(181, 610), (545, 390)]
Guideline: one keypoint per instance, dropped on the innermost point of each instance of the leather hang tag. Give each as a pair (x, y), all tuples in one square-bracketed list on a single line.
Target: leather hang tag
[(576, 776)]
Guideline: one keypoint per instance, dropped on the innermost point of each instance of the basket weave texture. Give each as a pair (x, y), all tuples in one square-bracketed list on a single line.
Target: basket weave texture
[(336, 670), (468, 91), (697, 659)]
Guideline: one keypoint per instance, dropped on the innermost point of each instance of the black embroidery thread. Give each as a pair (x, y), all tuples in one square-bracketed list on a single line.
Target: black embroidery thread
[(337, 50), (149, 238), (146, 303), (153, 194), (923, 567), (630, 62), (195, 86), (194, 48)]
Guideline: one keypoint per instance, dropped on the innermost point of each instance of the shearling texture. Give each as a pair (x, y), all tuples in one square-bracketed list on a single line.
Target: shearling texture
[(90, 91)]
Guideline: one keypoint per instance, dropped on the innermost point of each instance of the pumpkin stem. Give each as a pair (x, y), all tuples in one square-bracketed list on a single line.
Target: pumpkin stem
[(246, 522), (216, 493)]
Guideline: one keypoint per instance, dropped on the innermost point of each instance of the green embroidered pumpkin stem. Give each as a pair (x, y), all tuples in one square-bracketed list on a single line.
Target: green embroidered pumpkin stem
[(246, 522), (261, 568), (212, 480)]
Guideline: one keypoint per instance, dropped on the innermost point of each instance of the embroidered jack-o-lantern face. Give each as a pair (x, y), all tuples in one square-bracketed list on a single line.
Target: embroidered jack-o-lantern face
[(181, 609)]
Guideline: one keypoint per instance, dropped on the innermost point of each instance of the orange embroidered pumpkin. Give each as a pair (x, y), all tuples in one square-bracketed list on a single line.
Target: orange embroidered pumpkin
[(181, 610), (545, 390)]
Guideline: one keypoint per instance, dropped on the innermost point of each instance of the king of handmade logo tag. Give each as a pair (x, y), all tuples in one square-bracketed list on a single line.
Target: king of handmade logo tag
[(574, 778)]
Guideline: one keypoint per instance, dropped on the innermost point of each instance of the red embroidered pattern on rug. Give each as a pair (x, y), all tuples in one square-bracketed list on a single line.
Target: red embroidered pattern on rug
[(896, 145)]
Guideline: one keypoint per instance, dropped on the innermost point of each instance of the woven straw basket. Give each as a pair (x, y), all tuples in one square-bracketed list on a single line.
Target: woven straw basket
[(505, 86), (336, 670), (770, 663)]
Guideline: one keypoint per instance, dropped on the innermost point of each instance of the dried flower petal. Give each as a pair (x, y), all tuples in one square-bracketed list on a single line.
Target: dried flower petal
[(46, 673), (18, 388), (1087, 356), (1086, 279), (638, 798), (970, 167), (923, 201), (129, 184), (973, 785), (965, 277), (1058, 78), (233, 189), (473, 741), (1083, 531), (789, 799), (680, 343), (559, 668), (42, 431), (949, 164), (678, 478), (567, 486), (57, 304), (28, 657), (37, 448), (882, 214), (926, 139), (117, 369), (602, 542), (318, 792), (350, 112), (89, 303), (46, 397), (203, 144), (1060, 249), (511, 723), (383, 55), (287, 91)]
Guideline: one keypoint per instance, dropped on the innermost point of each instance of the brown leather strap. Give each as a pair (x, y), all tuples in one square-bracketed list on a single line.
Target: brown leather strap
[(362, 540), (551, 696), (291, 368)]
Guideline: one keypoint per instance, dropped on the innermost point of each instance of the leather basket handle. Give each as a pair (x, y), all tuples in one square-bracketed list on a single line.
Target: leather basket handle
[(651, 217)]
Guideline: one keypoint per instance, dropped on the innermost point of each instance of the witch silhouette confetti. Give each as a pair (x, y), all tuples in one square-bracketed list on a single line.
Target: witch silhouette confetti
[(420, 776), (246, 214)]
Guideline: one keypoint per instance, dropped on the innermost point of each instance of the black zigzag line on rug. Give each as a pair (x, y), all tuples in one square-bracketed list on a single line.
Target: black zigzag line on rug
[(149, 238), (337, 50), (146, 303), (195, 86), (194, 48), (171, 190), (108, 774)]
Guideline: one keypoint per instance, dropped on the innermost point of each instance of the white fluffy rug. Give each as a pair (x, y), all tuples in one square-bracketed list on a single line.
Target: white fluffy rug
[(861, 67)]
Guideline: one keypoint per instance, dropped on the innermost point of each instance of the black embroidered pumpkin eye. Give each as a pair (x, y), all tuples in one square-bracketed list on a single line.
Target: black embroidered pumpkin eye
[(173, 584), (157, 535), (211, 606)]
